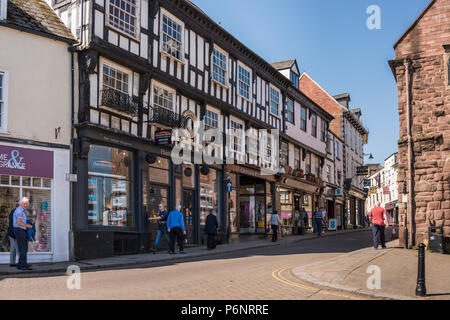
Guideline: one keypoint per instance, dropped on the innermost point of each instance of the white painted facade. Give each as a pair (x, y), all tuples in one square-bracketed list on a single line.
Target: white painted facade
[(37, 115)]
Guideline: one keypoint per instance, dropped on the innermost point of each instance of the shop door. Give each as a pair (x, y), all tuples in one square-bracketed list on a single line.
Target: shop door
[(330, 210), (189, 218), (157, 195)]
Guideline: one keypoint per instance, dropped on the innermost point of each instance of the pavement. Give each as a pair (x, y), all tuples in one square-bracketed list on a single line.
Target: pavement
[(162, 256), (397, 269)]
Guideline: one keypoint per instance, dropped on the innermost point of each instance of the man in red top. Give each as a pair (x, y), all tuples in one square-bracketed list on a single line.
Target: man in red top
[(377, 217)]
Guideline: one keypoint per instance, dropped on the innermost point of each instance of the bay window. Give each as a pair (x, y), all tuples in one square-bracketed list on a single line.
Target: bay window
[(163, 98)]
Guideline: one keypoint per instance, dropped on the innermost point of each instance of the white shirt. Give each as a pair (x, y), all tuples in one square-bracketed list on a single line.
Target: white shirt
[(275, 219)]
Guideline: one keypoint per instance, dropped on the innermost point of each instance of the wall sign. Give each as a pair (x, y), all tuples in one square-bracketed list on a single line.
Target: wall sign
[(332, 224), (26, 162)]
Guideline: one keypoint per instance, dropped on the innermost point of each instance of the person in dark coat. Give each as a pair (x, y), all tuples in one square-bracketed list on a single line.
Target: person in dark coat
[(13, 248), (211, 226)]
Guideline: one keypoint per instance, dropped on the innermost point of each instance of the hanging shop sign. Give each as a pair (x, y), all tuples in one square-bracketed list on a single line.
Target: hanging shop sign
[(26, 162), (163, 137), (386, 190), (362, 171)]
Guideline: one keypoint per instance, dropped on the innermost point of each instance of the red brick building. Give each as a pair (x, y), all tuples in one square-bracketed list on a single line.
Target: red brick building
[(421, 68)]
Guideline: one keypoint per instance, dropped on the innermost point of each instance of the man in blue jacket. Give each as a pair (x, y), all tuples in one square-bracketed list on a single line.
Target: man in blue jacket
[(175, 226)]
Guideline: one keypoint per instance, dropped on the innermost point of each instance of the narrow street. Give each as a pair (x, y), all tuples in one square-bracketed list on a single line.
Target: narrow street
[(254, 274)]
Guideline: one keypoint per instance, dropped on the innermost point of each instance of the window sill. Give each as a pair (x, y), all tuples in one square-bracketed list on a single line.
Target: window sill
[(246, 99), (225, 86), (163, 53), (136, 38)]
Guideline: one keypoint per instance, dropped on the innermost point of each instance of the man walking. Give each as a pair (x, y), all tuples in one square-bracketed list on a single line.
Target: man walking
[(274, 223), (13, 248), (318, 217), (175, 226), (211, 226), (377, 217), (20, 232), (162, 227)]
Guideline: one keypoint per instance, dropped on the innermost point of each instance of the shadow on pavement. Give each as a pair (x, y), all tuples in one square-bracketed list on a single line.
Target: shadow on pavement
[(340, 243)]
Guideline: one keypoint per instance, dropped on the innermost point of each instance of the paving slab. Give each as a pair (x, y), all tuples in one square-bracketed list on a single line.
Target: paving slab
[(397, 269)]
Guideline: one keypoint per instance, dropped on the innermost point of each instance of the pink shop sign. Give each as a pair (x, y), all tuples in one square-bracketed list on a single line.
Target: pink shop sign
[(26, 162)]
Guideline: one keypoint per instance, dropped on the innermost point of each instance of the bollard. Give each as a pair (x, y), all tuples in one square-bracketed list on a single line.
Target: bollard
[(421, 291)]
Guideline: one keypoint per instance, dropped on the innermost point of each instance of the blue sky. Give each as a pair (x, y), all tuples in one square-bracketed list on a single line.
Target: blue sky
[(331, 42)]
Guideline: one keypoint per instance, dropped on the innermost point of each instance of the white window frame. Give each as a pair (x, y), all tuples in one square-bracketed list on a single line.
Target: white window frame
[(240, 65), (164, 87), (3, 11), (238, 136), (223, 52), (4, 102), (161, 32), (137, 17), (273, 89), (207, 127), (120, 68)]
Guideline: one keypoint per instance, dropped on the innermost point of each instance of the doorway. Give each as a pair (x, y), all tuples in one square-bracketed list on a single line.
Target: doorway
[(189, 217)]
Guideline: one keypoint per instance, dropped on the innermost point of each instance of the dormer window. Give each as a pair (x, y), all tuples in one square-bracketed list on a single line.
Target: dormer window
[(295, 79), (123, 16), (219, 67), (172, 37)]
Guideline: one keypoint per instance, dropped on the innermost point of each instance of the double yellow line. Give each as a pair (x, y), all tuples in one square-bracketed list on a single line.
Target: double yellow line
[(277, 275)]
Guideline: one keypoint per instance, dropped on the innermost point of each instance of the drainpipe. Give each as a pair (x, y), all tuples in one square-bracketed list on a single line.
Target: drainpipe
[(411, 243), (71, 248)]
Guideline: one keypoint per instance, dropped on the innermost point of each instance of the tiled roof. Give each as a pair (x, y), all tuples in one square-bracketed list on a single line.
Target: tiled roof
[(283, 64), (36, 15), (341, 96)]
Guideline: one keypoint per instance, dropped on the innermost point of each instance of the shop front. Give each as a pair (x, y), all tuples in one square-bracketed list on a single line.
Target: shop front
[(38, 174), (249, 203), (392, 212), (298, 200)]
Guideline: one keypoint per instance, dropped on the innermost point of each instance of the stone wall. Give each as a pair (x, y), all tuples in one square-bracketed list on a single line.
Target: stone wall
[(430, 121)]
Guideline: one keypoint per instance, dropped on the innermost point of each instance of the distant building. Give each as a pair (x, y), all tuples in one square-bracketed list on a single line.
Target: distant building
[(422, 70), (347, 126), (383, 188)]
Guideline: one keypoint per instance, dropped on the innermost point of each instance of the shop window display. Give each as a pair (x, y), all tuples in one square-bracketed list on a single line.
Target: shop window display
[(109, 185), (158, 176), (209, 187), (38, 191)]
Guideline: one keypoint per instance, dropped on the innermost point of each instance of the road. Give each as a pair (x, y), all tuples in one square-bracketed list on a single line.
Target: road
[(253, 274)]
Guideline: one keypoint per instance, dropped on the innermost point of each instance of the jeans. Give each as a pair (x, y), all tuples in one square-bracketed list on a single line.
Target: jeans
[(211, 244), (13, 251), (22, 244), (159, 235), (274, 232), (378, 236), (178, 234), (318, 223)]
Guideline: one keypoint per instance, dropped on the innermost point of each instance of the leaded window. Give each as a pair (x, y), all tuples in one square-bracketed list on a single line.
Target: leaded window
[(123, 16), (172, 40), (115, 79), (211, 120), (162, 98), (244, 82), (219, 65)]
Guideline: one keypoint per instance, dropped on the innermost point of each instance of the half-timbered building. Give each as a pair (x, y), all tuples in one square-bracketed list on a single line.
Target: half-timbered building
[(146, 68)]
